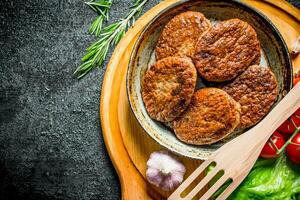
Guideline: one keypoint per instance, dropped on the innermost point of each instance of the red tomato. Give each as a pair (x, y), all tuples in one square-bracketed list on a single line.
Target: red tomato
[(288, 127), (293, 150), (297, 112), (269, 150), (296, 80)]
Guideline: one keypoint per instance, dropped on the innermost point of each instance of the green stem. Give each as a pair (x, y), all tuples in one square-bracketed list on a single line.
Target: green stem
[(289, 141)]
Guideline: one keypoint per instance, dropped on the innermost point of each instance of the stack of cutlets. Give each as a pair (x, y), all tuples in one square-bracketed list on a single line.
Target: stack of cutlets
[(228, 52)]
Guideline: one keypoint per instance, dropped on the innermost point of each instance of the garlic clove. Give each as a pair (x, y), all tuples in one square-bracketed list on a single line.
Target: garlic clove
[(177, 176), (295, 48), (154, 177), (169, 183), (172, 181), (164, 170)]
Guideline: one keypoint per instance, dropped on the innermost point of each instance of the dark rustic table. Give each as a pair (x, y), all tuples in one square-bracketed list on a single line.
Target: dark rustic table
[(51, 145)]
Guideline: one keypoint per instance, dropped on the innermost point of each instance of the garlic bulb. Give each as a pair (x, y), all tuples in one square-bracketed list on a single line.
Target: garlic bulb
[(296, 47), (164, 171)]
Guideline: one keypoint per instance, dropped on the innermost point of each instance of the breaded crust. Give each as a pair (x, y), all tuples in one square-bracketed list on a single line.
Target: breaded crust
[(211, 116), (168, 86), (226, 50), (181, 34), (256, 90)]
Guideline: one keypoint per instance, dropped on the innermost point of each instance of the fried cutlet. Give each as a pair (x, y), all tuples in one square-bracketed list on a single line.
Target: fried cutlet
[(211, 116), (181, 34), (226, 50), (168, 86), (256, 90)]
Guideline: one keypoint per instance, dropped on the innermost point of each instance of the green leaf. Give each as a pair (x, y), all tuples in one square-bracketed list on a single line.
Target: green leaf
[(274, 179), (102, 7)]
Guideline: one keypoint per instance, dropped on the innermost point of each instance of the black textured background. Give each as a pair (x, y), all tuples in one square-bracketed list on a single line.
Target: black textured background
[(51, 145)]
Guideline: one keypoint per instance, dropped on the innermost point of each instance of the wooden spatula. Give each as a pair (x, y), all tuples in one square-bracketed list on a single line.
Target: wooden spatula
[(236, 158)]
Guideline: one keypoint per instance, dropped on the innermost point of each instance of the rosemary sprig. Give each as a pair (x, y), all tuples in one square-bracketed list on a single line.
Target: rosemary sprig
[(109, 36), (102, 7)]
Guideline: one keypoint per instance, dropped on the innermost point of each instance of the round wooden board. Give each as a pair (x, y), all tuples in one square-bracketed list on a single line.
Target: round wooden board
[(128, 145)]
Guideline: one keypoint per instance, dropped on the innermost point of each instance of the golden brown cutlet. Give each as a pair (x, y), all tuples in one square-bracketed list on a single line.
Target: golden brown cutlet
[(226, 50), (181, 34), (211, 116), (256, 90), (168, 86)]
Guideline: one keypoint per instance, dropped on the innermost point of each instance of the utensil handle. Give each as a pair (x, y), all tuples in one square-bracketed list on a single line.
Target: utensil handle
[(285, 108)]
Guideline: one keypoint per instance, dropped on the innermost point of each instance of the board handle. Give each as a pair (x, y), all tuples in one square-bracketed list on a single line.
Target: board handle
[(133, 189), (137, 189)]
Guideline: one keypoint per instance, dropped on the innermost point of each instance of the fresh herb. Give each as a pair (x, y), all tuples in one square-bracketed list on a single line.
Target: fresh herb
[(102, 7), (109, 36)]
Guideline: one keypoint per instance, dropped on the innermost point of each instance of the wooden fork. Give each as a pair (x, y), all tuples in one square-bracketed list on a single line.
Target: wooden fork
[(237, 157)]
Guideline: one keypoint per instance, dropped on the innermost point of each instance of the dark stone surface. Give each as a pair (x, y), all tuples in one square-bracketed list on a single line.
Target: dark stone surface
[(51, 145), (296, 3)]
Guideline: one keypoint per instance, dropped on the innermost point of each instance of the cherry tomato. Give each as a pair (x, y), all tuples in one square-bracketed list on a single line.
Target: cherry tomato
[(293, 149), (297, 112), (288, 127), (269, 150), (296, 80)]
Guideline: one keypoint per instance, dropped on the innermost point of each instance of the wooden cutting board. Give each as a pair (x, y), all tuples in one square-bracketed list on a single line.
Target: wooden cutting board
[(128, 145)]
